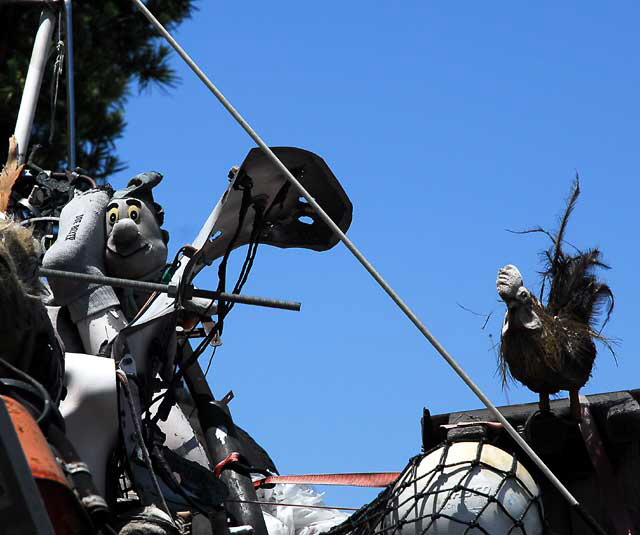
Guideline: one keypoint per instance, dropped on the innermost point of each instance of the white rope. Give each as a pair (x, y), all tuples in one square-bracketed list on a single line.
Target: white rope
[(360, 257)]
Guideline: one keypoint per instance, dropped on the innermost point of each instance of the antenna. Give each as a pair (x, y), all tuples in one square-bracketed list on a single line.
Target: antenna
[(71, 103)]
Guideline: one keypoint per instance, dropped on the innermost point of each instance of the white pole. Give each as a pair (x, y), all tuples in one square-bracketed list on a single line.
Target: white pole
[(33, 82)]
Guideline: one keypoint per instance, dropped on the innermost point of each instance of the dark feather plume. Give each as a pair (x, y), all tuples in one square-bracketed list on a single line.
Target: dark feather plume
[(571, 203), (574, 289)]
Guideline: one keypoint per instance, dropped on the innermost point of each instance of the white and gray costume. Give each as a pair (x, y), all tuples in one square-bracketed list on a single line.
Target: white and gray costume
[(101, 234)]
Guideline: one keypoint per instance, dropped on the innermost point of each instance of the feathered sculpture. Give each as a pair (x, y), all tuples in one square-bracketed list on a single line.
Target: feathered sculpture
[(20, 291), (27, 339), (551, 347)]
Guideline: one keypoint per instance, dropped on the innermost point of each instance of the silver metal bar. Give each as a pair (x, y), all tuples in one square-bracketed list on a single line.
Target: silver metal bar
[(247, 299), (362, 259), (33, 220), (170, 290), (32, 84), (71, 102)]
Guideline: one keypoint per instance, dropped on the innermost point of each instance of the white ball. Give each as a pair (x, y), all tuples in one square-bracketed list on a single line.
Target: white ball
[(447, 491)]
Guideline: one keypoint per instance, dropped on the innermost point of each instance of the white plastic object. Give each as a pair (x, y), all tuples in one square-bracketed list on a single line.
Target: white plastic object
[(434, 491), (90, 411), (180, 437), (100, 328), (287, 520), (275, 526)]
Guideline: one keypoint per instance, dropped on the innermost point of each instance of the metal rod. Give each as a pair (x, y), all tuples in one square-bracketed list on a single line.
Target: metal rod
[(361, 258), (71, 102), (32, 84), (33, 220), (170, 290), (247, 299), (282, 504), (221, 439)]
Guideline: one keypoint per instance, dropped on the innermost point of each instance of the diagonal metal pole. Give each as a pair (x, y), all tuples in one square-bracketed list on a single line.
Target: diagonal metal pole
[(373, 272)]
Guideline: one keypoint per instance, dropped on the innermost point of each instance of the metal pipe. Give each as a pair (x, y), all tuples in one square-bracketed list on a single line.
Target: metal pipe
[(169, 289), (33, 220), (368, 266), (32, 84), (222, 439), (71, 103)]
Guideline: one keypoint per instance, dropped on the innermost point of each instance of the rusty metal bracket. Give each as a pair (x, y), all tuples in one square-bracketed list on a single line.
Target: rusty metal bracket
[(618, 515)]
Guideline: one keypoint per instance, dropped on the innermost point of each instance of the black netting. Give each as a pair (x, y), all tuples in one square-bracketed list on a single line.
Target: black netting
[(466, 488)]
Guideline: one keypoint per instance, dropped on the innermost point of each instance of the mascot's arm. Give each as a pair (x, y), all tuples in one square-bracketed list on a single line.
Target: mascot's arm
[(80, 247)]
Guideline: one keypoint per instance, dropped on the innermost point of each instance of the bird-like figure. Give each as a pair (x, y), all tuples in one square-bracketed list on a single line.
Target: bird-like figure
[(551, 347)]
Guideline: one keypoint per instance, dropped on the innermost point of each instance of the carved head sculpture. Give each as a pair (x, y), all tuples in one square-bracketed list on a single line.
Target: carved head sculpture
[(136, 245), (520, 303)]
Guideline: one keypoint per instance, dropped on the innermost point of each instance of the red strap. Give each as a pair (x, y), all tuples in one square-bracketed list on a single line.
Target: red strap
[(363, 479), (233, 457)]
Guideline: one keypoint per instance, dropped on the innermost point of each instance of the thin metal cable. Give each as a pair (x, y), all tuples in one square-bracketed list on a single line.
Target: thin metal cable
[(55, 79), (362, 259), (278, 504), (213, 354), (44, 395)]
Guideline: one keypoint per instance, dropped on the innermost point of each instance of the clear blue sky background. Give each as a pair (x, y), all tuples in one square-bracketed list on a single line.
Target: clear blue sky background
[(446, 123)]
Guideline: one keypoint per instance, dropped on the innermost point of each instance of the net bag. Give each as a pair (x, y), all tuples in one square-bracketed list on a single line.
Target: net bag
[(459, 488)]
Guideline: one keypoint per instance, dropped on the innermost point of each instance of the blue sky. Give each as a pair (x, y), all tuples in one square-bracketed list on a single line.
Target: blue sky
[(446, 124)]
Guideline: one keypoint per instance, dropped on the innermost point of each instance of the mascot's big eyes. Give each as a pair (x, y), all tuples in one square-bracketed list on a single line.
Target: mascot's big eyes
[(134, 213), (112, 215)]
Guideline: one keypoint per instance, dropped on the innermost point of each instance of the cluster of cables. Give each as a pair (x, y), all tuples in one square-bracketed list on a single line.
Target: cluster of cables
[(189, 357), (27, 386), (223, 307)]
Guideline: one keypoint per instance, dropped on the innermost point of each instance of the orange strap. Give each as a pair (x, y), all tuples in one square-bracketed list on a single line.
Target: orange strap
[(233, 457), (35, 447), (359, 479)]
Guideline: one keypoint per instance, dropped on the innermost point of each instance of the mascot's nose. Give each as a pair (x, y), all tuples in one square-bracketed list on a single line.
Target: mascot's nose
[(125, 232)]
